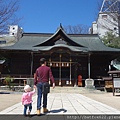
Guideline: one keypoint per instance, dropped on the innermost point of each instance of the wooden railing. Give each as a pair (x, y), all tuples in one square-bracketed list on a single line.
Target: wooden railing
[(21, 79), (17, 75)]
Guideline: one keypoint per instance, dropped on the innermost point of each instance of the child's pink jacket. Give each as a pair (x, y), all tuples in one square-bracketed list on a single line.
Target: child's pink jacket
[(27, 97)]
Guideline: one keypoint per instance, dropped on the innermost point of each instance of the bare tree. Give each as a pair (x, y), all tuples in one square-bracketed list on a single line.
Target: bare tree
[(78, 29), (8, 9)]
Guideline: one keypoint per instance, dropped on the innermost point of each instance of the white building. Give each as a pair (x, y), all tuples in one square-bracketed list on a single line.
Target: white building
[(108, 19), (94, 28), (15, 33), (15, 30)]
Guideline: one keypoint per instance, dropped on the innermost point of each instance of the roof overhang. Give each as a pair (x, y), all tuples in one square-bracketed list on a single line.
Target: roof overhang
[(63, 46)]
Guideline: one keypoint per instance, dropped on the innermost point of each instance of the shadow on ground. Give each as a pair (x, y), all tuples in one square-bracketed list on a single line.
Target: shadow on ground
[(58, 111), (4, 92)]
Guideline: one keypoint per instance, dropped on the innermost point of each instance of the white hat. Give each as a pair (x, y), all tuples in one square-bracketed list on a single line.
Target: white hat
[(27, 88)]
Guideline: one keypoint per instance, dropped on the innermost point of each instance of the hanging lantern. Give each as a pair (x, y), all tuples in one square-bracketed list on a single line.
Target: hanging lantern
[(67, 64), (50, 64), (57, 64)]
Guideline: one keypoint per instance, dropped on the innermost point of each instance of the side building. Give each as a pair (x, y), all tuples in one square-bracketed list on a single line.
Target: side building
[(108, 19), (14, 34)]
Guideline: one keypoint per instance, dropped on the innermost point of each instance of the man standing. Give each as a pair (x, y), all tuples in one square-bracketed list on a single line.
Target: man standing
[(42, 76)]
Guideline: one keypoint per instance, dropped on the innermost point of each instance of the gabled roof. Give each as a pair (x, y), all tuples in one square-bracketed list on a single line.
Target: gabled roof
[(59, 34), (47, 41)]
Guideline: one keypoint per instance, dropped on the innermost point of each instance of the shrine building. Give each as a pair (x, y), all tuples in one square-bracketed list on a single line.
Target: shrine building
[(68, 55)]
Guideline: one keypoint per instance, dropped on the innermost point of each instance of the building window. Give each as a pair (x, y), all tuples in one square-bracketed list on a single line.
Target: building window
[(115, 28), (12, 33), (114, 19), (3, 42), (104, 16)]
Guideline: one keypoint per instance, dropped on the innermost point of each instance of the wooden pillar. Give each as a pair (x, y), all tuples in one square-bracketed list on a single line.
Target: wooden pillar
[(89, 65), (70, 70), (24, 82), (31, 63), (60, 71), (19, 82)]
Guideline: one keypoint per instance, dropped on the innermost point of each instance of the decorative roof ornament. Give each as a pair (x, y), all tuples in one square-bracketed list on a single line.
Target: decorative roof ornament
[(61, 41), (60, 27)]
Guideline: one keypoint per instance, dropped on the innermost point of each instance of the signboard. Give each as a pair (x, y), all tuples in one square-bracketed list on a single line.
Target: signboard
[(116, 82)]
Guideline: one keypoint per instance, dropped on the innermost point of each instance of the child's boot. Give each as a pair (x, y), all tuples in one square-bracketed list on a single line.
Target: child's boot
[(29, 113)]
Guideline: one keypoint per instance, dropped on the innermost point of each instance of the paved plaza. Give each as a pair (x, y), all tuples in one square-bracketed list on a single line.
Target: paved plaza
[(62, 101)]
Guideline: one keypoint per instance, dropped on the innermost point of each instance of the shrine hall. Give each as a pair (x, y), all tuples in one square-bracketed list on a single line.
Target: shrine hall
[(68, 55)]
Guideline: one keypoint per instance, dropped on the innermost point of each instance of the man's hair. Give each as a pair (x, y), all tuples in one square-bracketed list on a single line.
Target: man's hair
[(42, 60)]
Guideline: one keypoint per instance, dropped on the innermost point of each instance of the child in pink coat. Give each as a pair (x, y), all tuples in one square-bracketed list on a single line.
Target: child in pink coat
[(27, 99)]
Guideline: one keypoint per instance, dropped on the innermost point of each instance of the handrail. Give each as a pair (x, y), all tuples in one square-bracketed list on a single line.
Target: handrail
[(17, 76)]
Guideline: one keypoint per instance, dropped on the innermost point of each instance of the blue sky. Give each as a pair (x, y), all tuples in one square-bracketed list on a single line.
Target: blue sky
[(45, 16)]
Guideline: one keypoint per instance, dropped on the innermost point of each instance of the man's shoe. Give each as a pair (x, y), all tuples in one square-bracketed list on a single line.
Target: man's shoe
[(45, 110), (38, 112)]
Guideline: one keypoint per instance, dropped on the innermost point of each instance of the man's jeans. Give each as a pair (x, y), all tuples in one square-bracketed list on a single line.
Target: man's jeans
[(39, 98), (27, 106)]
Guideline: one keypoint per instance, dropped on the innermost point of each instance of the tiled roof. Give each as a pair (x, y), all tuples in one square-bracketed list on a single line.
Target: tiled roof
[(84, 43)]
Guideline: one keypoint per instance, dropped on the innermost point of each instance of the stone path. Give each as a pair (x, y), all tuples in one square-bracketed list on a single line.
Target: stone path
[(66, 103)]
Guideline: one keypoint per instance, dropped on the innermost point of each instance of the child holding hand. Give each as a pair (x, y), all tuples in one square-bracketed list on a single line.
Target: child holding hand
[(27, 99)]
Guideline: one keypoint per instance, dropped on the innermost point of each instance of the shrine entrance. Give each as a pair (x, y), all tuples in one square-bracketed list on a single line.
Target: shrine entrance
[(63, 69)]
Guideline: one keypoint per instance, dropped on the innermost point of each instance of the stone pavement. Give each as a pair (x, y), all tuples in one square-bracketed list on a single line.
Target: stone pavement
[(66, 102)]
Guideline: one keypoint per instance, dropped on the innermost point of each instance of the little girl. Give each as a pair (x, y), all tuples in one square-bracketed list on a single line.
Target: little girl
[(27, 99)]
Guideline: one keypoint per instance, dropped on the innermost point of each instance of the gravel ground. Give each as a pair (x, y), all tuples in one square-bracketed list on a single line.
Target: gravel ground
[(7, 100)]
